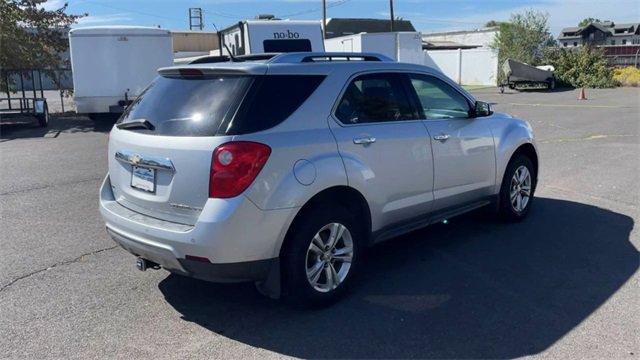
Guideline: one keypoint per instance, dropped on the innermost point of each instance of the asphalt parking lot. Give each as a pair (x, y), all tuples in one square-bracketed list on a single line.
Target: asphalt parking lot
[(564, 283)]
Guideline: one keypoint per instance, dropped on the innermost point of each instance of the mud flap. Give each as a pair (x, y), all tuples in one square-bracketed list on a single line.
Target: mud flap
[(271, 287)]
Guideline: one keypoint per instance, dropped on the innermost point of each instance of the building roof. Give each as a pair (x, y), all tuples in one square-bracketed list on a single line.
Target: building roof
[(349, 26)]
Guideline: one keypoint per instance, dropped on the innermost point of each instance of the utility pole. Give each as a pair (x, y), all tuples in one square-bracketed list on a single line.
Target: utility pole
[(391, 11), (324, 18)]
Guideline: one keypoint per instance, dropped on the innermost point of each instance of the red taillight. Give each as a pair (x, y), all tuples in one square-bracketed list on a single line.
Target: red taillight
[(234, 166)]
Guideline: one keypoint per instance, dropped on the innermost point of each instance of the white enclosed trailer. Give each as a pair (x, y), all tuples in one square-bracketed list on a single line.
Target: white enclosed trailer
[(271, 36), (400, 46), (112, 64)]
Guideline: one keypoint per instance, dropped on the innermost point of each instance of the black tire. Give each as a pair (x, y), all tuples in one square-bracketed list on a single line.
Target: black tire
[(551, 83), (297, 289), (506, 210), (43, 119)]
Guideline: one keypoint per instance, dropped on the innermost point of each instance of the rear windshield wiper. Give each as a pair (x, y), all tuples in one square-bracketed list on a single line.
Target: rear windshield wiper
[(136, 124)]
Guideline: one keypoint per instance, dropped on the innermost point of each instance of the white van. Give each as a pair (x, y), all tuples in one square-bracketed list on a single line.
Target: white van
[(112, 64), (271, 36)]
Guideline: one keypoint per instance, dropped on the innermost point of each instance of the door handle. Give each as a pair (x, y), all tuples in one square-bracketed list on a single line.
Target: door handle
[(442, 137), (365, 140)]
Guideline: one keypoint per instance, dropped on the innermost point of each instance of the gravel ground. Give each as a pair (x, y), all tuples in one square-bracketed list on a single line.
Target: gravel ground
[(563, 283)]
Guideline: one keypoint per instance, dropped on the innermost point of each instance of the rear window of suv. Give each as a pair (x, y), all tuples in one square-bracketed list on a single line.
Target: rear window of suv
[(224, 105)]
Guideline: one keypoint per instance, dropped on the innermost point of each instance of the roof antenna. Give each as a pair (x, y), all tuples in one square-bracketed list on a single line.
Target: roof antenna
[(233, 58)]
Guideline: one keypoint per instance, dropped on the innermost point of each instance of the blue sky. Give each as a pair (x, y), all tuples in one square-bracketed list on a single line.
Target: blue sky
[(426, 15)]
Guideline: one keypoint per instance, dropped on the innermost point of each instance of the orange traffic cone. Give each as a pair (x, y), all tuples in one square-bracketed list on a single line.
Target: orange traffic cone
[(582, 95)]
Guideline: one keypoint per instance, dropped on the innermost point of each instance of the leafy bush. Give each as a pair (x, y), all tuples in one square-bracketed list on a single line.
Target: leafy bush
[(580, 67), (627, 76)]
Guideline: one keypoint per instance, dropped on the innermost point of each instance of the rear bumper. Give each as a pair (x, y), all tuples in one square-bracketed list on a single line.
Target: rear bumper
[(240, 241), (230, 272)]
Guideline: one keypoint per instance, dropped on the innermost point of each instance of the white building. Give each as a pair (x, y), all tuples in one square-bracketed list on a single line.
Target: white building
[(463, 55)]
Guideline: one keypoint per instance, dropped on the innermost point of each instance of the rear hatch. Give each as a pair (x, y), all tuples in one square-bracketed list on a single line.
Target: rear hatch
[(160, 150)]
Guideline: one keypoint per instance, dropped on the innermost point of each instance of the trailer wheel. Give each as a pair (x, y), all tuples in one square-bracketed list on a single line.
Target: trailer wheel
[(43, 119), (551, 84)]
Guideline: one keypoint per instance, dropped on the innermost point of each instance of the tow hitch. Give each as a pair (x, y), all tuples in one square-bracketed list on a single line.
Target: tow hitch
[(144, 264)]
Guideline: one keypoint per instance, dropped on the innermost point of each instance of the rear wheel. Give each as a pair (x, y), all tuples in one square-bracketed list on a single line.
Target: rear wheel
[(516, 192), (321, 257), (551, 83)]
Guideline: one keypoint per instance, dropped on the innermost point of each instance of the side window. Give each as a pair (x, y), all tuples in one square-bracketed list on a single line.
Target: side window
[(270, 100), (374, 98), (438, 99)]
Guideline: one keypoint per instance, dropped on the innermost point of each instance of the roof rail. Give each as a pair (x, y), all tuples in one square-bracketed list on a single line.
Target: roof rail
[(300, 57)]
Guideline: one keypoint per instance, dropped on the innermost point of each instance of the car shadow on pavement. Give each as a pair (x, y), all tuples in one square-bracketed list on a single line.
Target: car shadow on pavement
[(28, 128), (469, 289)]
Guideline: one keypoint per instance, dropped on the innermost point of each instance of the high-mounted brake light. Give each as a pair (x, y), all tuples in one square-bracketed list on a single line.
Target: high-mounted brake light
[(234, 166), (190, 72)]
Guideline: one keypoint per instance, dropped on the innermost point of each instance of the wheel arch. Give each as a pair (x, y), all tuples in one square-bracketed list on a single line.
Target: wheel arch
[(528, 150), (344, 195)]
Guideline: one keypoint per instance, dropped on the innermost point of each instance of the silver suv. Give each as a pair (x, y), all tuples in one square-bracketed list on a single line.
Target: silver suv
[(281, 171)]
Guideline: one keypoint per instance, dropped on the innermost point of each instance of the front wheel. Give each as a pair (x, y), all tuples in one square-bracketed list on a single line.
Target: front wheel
[(518, 186), (320, 257)]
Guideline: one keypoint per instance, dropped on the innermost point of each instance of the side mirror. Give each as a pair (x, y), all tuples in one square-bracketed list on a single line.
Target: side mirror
[(482, 109)]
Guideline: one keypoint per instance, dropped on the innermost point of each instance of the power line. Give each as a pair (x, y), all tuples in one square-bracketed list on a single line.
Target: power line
[(308, 11), (129, 10), (224, 14)]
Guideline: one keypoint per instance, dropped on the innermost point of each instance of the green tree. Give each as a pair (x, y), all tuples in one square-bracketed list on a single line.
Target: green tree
[(585, 66), (588, 21), (492, 23), (522, 38), (32, 36)]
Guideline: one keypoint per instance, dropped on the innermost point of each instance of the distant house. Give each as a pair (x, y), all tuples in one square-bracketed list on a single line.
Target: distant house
[(600, 34), (349, 26), (620, 42)]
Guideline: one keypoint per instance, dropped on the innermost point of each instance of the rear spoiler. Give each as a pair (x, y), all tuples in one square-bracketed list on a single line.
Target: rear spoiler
[(209, 59), (200, 71)]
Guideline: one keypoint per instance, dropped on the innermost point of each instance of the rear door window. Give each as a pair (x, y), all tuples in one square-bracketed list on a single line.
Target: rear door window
[(374, 98), (187, 107)]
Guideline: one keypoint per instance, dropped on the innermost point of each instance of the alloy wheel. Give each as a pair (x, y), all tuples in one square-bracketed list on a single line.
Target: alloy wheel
[(329, 257), (520, 189)]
